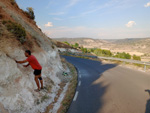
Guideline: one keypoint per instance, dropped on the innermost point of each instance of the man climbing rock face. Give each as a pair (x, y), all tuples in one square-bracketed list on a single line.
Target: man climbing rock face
[(32, 61)]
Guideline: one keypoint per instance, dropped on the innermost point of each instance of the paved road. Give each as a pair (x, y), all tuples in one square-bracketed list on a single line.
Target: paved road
[(108, 88)]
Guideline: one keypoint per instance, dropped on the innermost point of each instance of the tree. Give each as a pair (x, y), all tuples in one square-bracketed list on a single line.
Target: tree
[(92, 50), (106, 53), (84, 50), (123, 55), (127, 56), (31, 12), (98, 52), (76, 45)]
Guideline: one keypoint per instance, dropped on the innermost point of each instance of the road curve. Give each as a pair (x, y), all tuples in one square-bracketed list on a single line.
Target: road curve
[(108, 88)]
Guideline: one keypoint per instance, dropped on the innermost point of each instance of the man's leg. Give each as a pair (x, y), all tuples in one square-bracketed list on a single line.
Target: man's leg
[(37, 82), (41, 81)]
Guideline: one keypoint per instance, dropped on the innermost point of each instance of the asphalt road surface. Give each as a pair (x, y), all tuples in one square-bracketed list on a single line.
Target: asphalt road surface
[(108, 88)]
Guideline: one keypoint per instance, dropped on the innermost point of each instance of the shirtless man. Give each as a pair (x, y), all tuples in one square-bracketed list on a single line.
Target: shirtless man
[(32, 61)]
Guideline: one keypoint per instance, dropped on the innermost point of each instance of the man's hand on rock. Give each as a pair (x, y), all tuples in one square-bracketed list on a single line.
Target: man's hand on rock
[(24, 65)]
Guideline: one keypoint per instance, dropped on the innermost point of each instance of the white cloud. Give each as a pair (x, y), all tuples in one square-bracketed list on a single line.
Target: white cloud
[(58, 13), (112, 4), (72, 3), (147, 5), (50, 3), (49, 24), (57, 19), (130, 24)]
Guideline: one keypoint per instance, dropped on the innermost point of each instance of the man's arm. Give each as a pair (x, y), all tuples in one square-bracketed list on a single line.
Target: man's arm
[(20, 62), (26, 65)]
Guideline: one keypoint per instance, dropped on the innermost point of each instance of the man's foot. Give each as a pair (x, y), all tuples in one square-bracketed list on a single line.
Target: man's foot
[(37, 90), (42, 87)]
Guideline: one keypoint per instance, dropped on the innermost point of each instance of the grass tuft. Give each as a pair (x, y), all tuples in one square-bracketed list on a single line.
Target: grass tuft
[(16, 29)]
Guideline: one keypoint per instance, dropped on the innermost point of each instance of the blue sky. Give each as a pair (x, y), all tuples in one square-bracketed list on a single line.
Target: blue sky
[(100, 19)]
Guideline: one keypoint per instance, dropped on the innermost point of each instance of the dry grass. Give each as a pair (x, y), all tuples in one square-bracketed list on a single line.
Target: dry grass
[(70, 92), (16, 29)]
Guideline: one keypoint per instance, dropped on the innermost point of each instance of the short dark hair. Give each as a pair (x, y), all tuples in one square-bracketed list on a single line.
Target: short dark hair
[(28, 51)]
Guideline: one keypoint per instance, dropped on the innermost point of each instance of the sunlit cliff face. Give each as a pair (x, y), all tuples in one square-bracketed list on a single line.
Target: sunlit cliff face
[(17, 83)]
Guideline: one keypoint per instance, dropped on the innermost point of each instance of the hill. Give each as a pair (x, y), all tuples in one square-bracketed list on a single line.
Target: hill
[(132, 44), (86, 42), (137, 46)]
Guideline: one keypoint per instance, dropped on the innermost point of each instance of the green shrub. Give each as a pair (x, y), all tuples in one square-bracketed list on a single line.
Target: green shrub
[(102, 52), (30, 13), (93, 49), (123, 55), (76, 45), (98, 52), (16, 29), (136, 57), (84, 50), (106, 53)]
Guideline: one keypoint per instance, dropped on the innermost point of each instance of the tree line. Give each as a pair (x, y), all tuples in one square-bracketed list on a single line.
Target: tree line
[(104, 52)]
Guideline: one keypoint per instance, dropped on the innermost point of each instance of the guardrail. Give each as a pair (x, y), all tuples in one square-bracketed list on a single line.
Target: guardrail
[(126, 60)]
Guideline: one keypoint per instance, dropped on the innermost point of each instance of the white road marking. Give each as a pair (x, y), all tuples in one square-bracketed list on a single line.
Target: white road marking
[(79, 83), (75, 97), (79, 76)]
